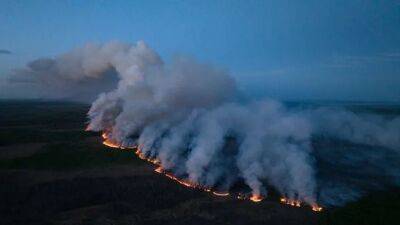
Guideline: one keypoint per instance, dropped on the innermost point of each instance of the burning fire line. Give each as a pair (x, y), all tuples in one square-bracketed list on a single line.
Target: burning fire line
[(254, 198), (291, 202)]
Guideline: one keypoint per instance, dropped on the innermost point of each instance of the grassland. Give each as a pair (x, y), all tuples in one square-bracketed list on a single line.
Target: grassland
[(52, 172)]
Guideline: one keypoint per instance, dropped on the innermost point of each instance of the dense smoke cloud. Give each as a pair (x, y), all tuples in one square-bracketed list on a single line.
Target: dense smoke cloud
[(82, 73), (186, 114)]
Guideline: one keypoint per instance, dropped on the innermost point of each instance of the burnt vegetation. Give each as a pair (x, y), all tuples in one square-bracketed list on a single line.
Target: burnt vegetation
[(53, 172)]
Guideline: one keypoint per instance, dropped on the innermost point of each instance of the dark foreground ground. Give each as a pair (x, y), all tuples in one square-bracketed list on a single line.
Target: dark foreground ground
[(52, 172)]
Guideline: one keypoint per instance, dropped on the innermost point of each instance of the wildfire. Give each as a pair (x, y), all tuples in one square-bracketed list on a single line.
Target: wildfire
[(220, 193), (291, 202), (183, 182), (172, 177), (297, 203), (254, 198), (159, 170), (111, 144), (316, 208)]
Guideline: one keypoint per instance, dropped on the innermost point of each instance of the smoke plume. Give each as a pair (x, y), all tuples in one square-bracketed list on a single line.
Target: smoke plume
[(187, 115)]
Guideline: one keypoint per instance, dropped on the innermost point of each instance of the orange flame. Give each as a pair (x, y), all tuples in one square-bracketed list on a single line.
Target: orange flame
[(111, 144), (159, 170), (292, 202), (256, 198), (316, 208), (297, 203)]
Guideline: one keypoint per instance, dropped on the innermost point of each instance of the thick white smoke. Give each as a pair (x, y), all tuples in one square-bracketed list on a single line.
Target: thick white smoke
[(83, 73), (186, 115)]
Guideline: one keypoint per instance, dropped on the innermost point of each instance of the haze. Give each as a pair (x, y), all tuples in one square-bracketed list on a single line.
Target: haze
[(287, 50)]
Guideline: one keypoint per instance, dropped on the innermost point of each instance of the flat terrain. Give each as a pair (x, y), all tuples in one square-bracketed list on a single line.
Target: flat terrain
[(53, 172)]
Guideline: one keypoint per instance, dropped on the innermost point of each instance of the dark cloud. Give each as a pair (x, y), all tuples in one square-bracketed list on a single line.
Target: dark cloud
[(5, 52)]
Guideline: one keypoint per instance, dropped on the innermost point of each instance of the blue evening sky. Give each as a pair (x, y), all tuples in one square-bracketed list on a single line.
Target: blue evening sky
[(312, 49)]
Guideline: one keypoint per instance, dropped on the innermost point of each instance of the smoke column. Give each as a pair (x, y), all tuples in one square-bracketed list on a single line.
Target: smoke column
[(187, 115)]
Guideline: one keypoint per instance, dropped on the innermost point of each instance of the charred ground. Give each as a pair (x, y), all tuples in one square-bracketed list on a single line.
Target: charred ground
[(52, 172)]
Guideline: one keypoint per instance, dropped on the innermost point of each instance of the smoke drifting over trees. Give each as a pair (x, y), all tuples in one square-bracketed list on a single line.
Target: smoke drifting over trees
[(186, 114)]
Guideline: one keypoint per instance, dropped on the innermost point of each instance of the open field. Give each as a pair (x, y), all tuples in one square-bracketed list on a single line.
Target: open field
[(53, 172)]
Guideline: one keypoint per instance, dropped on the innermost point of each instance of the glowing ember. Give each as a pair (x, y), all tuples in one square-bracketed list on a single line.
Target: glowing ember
[(183, 182), (220, 193), (316, 208), (207, 189), (291, 202), (159, 170), (241, 196), (254, 198), (110, 144)]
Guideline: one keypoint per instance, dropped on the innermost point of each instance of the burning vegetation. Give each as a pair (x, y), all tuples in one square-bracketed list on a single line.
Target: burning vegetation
[(159, 169)]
